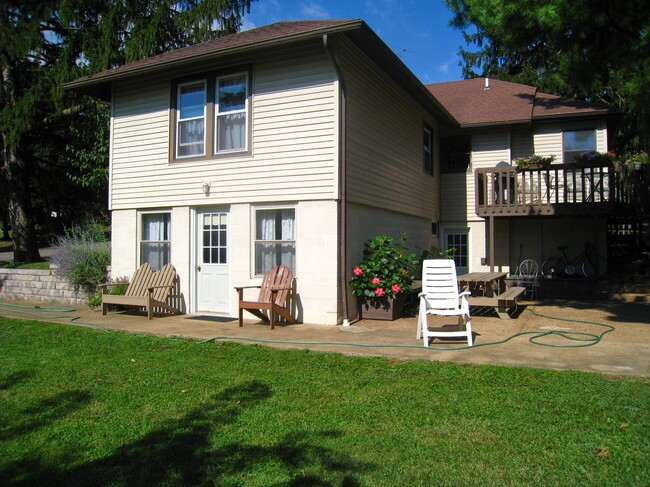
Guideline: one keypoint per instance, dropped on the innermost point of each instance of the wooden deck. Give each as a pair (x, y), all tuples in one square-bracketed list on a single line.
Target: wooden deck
[(562, 189)]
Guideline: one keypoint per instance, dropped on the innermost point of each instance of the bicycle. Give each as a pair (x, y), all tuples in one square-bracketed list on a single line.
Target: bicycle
[(587, 264), (593, 264)]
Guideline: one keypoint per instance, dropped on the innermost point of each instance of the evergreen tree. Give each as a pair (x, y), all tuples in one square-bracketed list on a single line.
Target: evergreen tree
[(595, 50), (48, 138)]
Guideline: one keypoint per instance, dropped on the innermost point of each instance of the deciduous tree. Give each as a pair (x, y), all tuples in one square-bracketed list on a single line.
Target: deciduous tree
[(596, 50), (44, 43)]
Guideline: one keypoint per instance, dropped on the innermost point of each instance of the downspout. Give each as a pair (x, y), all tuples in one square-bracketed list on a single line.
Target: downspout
[(342, 181)]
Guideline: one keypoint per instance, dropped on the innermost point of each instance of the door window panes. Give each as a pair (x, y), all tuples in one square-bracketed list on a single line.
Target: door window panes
[(215, 238), (458, 242)]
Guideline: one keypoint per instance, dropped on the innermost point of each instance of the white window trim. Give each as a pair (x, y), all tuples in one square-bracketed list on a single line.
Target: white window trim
[(177, 142), (218, 112), (254, 233), (140, 231), (587, 129)]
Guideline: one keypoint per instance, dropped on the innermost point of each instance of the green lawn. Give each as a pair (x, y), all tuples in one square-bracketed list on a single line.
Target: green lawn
[(83, 407), (10, 264), (6, 246)]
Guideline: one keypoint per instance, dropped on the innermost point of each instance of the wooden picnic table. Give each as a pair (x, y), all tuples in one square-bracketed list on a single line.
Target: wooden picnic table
[(487, 283), (488, 289)]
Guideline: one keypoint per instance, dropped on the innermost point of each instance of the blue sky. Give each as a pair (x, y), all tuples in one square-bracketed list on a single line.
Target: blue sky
[(416, 30)]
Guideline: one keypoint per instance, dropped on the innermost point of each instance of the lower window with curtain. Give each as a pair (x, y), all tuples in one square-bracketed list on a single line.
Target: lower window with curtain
[(155, 240), (275, 239)]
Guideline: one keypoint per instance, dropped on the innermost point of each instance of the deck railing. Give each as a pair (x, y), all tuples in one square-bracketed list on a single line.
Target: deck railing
[(559, 189)]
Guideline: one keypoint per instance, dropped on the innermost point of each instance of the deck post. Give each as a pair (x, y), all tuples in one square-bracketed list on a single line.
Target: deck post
[(491, 244)]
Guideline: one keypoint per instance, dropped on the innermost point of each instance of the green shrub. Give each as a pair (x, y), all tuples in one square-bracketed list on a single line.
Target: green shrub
[(386, 269), (82, 255), (117, 287)]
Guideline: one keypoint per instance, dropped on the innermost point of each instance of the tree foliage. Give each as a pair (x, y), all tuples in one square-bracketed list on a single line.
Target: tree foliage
[(54, 147), (595, 50)]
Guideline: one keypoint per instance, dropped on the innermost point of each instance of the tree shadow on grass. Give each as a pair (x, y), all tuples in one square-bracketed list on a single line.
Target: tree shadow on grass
[(10, 380), (180, 453), (45, 412)]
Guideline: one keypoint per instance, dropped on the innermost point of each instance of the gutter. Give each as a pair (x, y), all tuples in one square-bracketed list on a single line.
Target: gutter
[(342, 181)]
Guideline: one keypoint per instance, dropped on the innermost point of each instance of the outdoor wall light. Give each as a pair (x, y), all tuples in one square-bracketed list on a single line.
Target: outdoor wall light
[(206, 189)]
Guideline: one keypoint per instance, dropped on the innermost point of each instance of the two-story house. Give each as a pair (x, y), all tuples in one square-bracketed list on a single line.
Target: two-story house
[(291, 143)]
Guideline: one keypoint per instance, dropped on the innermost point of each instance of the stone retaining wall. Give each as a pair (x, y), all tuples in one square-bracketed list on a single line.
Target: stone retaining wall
[(38, 285)]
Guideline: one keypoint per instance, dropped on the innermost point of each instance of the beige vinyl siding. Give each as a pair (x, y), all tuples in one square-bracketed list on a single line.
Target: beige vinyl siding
[(454, 206), (294, 141), (489, 147), (548, 138), (384, 141)]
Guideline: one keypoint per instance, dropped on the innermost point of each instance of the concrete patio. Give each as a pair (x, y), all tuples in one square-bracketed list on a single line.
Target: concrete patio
[(622, 351)]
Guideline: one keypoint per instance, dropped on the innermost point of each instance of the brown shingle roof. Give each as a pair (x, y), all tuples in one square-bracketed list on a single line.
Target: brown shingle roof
[(258, 37), (270, 36), (471, 104)]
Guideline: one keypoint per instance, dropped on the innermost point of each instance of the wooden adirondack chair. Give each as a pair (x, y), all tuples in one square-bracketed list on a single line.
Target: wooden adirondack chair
[(147, 289), (273, 296)]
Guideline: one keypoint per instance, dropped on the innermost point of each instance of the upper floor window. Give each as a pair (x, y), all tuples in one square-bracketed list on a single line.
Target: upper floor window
[(427, 149), (190, 128), (575, 142), (232, 100), (455, 153), (211, 116)]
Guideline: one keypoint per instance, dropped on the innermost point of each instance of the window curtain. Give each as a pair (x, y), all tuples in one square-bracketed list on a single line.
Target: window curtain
[(155, 240), (191, 137), (275, 235), (191, 119), (231, 131), (231, 120)]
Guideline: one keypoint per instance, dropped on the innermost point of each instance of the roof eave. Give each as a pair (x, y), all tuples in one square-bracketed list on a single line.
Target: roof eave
[(100, 82), (543, 118), (466, 125), (592, 113)]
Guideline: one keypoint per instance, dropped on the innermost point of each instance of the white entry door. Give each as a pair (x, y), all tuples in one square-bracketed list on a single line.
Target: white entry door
[(213, 269)]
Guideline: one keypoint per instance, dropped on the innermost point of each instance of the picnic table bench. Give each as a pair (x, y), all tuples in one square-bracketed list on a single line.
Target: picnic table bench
[(490, 284), (500, 302)]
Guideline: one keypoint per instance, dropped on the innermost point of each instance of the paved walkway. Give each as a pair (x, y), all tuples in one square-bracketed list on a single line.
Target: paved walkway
[(44, 252), (623, 351)]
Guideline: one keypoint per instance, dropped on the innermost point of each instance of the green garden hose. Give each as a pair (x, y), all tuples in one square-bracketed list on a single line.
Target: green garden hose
[(588, 339), (39, 310), (585, 339)]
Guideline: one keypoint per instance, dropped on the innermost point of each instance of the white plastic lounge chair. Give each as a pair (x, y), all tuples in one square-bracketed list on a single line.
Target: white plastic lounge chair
[(440, 297)]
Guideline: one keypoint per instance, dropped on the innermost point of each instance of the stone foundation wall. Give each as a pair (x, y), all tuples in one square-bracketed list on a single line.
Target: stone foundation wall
[(38, 285)]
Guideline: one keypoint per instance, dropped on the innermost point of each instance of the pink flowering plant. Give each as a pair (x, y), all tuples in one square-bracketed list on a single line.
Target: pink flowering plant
[(387, 268)]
